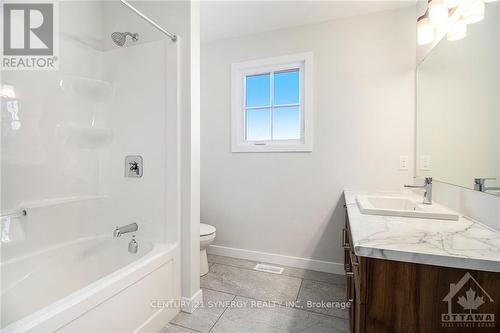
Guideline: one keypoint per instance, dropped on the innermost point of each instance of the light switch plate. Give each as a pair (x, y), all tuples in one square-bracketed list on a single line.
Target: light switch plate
[(404, 162), (425, 162), (133, 166)]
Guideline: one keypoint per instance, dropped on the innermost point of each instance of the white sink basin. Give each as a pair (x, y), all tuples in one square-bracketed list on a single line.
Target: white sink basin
[(402, 206)]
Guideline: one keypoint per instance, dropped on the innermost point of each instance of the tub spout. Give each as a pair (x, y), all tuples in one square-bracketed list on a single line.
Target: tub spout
[(125, 229)]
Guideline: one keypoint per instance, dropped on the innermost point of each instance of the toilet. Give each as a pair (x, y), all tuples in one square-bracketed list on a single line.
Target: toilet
[(207, 236)]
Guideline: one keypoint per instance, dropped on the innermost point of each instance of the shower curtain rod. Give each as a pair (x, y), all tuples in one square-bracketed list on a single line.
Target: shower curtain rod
[(172, 36)]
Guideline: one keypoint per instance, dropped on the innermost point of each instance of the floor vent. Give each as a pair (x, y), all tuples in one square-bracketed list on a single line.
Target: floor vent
[(268, 269)]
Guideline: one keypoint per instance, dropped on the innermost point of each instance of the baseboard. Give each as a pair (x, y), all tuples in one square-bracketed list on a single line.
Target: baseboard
[(157, 321), (278, 259), (190, 304)]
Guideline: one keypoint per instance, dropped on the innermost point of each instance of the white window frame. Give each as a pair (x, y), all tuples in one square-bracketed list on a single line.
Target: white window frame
[(239, 72)]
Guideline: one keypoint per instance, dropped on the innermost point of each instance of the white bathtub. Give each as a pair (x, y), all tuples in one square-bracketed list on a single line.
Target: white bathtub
[(92, 284)]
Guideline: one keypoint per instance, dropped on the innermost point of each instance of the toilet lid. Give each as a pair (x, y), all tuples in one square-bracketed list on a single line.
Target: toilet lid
[(206, 229)]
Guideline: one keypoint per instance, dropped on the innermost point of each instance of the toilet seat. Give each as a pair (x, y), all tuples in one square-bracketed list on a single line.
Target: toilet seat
[(206, 229)]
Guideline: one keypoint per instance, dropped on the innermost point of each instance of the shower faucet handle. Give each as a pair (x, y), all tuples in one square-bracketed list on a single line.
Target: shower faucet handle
[(134, 166)]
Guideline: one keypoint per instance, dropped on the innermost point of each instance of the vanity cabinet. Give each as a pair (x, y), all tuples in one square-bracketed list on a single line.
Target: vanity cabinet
[(396, 296)]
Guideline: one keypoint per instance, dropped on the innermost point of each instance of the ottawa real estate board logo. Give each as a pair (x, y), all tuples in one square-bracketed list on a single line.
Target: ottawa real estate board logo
[(468, 305), (30, 35)]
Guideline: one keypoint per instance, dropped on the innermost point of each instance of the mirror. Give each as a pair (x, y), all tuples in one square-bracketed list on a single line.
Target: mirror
[(458, 108)]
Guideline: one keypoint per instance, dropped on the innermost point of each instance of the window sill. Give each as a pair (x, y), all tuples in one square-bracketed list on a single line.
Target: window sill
[(303, 148)]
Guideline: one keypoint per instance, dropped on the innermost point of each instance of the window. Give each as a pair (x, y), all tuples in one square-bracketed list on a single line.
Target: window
[(272, 104)]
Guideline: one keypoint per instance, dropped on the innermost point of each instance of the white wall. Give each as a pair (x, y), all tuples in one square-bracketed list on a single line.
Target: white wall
[(291, 203)]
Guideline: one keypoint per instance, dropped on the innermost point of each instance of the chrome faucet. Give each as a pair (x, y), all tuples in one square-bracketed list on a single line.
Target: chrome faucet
[(428, 190), (480, 185), (125, 229)]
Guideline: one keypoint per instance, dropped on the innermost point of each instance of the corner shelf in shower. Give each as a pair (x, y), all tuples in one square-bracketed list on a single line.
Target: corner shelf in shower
[(92, 90), (85, 137)]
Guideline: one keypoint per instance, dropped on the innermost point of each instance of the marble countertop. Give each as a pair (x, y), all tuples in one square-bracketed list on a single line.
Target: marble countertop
[(462, 244)]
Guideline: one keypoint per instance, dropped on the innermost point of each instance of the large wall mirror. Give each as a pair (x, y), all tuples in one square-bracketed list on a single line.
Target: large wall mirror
[(458, 108)]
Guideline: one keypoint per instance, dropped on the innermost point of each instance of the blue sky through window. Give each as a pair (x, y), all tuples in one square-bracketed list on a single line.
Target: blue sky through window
[(258, 90), (286, 123), (285, 120), (286, 87), (258, 125)]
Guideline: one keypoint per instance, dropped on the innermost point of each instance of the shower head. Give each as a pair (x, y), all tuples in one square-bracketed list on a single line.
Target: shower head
[(119, 38)]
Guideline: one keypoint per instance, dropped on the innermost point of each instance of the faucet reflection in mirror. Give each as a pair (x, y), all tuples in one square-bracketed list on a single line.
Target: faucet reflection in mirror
[(480, 185)]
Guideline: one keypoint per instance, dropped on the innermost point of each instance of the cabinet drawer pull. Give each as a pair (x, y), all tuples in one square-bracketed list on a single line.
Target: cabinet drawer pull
[(349, 273), (353, 260), (345, 245)]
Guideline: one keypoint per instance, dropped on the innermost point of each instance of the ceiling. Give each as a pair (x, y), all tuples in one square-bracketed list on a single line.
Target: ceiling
[(227, 19)]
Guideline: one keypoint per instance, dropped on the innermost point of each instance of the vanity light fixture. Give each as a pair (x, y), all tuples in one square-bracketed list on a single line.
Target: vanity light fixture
[(437, 19), (474, 13), (438, 14), (425, 31), (457, 31)]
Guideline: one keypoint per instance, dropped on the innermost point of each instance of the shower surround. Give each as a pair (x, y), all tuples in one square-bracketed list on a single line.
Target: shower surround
[(65, 135)]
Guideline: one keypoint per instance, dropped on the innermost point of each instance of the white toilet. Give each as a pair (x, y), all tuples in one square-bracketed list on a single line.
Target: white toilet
[(207, 236)]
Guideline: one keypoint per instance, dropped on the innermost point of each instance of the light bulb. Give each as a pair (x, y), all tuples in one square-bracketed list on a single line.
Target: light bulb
[(474, 13), (457, 31), (452, 3), (438, 14), (425, 31)]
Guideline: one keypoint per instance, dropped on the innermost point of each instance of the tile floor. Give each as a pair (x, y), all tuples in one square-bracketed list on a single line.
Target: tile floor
[(238, 299)]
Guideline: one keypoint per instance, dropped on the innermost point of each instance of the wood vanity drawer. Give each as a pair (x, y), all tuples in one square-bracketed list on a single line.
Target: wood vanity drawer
[(354, 266), (358, 268)]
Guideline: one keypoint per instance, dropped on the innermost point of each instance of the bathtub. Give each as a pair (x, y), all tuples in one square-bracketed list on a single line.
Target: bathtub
[(90, 285)]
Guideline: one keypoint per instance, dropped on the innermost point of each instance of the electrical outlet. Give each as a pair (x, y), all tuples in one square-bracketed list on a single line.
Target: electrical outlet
[(425, 162), (404, 162)]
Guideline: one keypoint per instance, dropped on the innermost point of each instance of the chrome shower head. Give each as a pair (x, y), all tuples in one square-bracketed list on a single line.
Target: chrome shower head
[(119, 38)]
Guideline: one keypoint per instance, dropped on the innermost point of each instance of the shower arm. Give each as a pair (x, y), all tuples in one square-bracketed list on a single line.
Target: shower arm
[(172, 36)]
